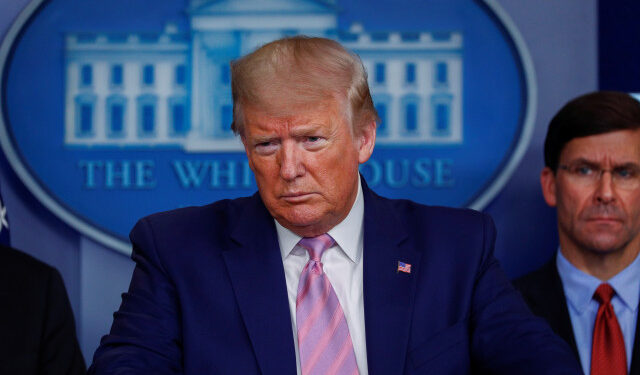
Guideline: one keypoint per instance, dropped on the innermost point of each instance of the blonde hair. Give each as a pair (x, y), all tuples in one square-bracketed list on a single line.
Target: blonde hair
[(301, 71)]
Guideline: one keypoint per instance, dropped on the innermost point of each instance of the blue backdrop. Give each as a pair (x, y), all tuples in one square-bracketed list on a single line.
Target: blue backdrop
[(562, 40)]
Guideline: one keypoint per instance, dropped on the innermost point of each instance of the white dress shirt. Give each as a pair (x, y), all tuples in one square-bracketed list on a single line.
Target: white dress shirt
[(342, 264)]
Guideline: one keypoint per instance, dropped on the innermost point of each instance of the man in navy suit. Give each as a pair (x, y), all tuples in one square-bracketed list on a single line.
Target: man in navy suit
[(592, 178), (315, 273)]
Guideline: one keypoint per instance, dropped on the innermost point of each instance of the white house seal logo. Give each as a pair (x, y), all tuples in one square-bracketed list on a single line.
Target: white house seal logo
[(114, 109)]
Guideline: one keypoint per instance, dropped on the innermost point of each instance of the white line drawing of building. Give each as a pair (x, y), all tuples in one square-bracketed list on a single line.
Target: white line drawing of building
[(173, 88)]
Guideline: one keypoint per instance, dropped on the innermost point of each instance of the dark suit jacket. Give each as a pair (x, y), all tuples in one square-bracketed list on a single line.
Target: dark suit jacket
[(37, 331), (208, 296), (542, 290)]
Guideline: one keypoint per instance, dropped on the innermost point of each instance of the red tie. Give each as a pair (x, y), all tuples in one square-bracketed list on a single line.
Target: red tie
[(608, 356)]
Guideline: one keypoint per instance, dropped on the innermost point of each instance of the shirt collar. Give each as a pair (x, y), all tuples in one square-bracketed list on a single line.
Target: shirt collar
[(579, 286), (626, 284), (347, 234)]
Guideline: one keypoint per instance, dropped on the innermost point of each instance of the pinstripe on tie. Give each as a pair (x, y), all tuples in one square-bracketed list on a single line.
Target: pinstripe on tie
[(324, 341)]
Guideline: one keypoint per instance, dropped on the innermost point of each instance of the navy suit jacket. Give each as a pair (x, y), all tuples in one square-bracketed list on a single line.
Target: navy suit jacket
[(208, 296)]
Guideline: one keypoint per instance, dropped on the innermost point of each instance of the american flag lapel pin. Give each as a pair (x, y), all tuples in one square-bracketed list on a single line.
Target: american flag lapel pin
[(403, 267)]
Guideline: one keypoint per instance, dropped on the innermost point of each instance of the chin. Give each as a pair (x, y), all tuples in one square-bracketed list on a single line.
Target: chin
[(300, 219), (304, 222), (308, 224), (606, 245)]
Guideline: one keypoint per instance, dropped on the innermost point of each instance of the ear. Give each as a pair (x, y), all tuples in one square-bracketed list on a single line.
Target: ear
[(366, 141), (548, 185)]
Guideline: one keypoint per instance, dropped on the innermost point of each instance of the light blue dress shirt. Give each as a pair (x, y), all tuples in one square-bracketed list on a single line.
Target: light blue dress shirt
[(579, 288)]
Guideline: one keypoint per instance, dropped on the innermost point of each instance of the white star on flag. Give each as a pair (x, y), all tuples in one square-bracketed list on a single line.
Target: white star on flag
[(3, 217)]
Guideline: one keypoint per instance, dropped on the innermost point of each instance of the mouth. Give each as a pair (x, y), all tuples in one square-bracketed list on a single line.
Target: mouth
[(296, 197), (605, 219)]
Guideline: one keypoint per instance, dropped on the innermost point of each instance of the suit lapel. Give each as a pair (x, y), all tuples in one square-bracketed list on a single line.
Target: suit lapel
[(257, 275), (388, 294), (558, 312)]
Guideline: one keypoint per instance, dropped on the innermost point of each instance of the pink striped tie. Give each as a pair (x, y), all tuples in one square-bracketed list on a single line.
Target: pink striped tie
[(324, 342)]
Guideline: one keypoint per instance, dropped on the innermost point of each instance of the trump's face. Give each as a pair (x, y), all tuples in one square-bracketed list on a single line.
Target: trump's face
[(306, 163)]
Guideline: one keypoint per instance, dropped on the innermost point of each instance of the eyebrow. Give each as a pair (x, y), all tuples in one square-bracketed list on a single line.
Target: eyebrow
[(628, 164), (306, 129), (580, 161), (301, 130)]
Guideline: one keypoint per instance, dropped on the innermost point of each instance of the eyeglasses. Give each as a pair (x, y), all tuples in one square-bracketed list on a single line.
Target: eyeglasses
[(625, 177)]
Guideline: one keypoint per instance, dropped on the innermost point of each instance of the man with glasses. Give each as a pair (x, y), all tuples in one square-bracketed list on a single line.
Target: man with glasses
[(589, 293)]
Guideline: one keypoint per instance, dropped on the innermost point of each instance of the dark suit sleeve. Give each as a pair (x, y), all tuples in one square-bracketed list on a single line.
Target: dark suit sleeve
[(145, 337), (59, 352), (506, 337)]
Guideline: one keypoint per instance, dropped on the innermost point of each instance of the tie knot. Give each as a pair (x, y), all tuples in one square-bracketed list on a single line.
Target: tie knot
[(604, 293), (317, 245)]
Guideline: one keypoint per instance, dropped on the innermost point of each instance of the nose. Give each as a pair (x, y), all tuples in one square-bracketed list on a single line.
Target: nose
[(604, 188), (291, 165)]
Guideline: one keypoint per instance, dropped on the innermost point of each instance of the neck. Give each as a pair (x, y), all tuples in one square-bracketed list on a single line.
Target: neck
[(600, 264)]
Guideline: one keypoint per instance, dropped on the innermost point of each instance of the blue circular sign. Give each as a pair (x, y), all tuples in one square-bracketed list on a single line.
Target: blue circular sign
[(112, 110)]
